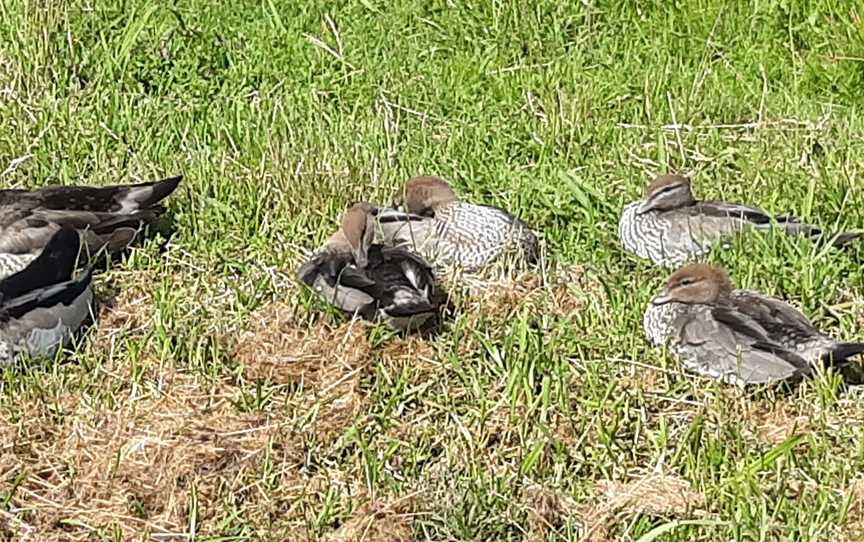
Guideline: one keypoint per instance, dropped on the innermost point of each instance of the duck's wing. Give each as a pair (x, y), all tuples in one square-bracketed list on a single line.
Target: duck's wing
[(333, 277), (758, 218), (415, 269), (405, 284), (722, 209), (774, 315), (723, 344), (28, 231), (117, 199), (54, 264), (108, 217), (47, 297), (786, 324)]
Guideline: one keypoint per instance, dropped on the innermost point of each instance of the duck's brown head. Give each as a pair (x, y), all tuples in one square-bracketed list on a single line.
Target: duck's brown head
[(423, 195), (358, 230), (696, 283), (667, 192)]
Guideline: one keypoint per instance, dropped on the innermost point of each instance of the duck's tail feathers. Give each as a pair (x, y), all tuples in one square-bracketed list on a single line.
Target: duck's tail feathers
[(841, 352), (794, 226), (146, 195), (842, 239)]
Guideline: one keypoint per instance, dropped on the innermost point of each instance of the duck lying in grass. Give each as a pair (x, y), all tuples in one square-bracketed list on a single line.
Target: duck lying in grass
[(434, 222), (670, 226), (106, 217), (42, 305), (737, 336), (375, 281)]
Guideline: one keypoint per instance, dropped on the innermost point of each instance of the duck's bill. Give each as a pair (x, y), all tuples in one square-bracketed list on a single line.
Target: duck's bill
[(388, 215), (661, 299), (643, 208)]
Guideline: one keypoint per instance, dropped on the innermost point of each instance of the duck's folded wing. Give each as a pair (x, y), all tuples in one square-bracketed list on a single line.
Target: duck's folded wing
[(734, 351), (722, 209), (29, 231), (755, 216), (64, 293), (772, 314), (108, 199), (333, 268), (54, 264), (413, 268)]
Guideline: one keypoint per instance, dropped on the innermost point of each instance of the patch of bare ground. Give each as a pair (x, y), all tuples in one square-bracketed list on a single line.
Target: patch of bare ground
[(162, 458), (652, 494)]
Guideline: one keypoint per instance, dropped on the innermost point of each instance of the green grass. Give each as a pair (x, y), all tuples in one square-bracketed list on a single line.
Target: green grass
[(281, 113)]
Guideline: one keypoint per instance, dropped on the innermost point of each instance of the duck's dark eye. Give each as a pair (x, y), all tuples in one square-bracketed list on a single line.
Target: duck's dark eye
[(667, 189)]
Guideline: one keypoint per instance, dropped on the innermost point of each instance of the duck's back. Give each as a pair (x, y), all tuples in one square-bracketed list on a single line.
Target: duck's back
[(671, 238), (473, 235), (399, 276)]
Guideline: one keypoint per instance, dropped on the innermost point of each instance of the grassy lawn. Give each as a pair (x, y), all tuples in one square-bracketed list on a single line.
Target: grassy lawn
[(217, 400)]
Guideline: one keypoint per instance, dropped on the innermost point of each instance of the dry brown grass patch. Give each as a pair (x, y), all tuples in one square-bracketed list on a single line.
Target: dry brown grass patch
[(280, 350), (548, 510), (653, 494), (135, 466), (380, 521), (559, 292), (779, 422), (854, 527), (325, 364)]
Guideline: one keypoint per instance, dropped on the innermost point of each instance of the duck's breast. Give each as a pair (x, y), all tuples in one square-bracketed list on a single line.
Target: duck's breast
[(12, 263)]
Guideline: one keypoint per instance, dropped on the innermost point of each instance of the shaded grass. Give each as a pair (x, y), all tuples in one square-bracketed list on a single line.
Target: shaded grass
[(281, 113)]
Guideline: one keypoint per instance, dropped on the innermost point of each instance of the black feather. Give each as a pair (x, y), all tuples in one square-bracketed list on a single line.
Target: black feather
[(55, 264)]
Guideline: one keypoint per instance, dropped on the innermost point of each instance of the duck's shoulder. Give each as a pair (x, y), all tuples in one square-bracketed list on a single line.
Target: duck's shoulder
[(326, 262), (770, 311), (382, 254)]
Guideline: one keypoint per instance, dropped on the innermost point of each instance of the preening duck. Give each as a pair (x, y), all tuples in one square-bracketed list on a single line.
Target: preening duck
[(449, 232), (372, 280)]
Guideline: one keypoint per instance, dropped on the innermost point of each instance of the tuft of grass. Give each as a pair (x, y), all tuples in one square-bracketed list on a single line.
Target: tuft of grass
[(217, 400)]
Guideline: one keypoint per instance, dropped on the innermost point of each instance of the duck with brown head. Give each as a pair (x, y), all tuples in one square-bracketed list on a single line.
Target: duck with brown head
[(449, 232), (371, 280), (737, 336), (669, 226)]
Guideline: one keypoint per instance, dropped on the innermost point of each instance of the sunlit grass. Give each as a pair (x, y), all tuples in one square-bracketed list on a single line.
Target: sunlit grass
[(507, 425)]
